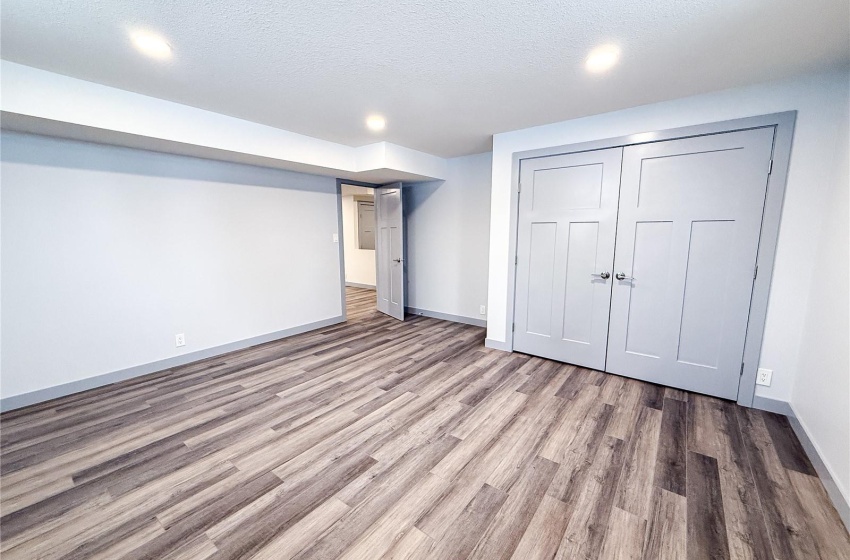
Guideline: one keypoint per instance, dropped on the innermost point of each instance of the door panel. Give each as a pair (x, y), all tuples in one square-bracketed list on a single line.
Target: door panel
[(567, 226), (389, 251), (651, 263), (582, 248), (699, 334), (541, 256), (688, 231), (567, 188)]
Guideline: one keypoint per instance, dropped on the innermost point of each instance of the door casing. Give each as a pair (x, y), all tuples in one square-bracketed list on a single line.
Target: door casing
[(784, 124)]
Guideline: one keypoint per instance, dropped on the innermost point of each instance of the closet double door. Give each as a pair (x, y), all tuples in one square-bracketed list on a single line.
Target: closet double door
[(640, 260)]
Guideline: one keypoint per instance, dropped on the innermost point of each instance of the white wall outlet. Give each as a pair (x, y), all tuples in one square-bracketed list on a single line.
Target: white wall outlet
[(483, 310), (764, 376), (180, 340), (336, 238)]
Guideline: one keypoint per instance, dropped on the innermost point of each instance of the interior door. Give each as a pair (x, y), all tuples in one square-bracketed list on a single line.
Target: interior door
[(687, 240), (389, 250), (565, 248)]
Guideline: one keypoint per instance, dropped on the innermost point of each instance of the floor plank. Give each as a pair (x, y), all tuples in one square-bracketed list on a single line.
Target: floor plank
[(667, 532), (670, 467), (707, 538)]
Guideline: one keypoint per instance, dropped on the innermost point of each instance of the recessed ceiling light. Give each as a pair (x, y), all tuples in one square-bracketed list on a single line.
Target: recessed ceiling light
[(602, 58), (151, 44), (376, 122)]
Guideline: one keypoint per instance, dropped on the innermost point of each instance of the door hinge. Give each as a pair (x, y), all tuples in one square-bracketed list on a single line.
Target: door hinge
[(770, 167), (742, 370), (513, 327), (519, 188), (516, 260), (756, 272)]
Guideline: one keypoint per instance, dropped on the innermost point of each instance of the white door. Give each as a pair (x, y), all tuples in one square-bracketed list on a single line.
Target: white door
[(565, 249), (389, 250), (687, 240)]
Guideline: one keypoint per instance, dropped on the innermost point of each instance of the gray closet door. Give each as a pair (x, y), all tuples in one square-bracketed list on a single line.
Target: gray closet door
[(389, 250), (567, 224), (688, 234)]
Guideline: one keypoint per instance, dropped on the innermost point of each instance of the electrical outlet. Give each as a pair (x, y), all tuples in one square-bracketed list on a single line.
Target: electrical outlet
[(180, 340), (764, 376), (483, 309)]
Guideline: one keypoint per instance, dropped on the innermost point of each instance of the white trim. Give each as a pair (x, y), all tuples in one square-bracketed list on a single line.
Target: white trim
[(49, 393), (446, 317), (497, 345)]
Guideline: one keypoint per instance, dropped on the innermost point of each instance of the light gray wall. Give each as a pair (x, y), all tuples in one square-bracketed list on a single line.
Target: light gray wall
[(108, 252), (447, 239), (821, 396)]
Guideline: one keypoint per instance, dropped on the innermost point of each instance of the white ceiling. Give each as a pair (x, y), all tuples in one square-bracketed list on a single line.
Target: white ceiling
[(446, 74)]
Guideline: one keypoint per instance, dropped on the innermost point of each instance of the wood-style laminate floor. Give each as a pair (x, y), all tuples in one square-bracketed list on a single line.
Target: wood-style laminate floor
[(381, 439)]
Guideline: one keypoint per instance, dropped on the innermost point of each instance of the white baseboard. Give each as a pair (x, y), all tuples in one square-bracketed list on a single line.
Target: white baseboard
[(49, 393), (446, 316), (497, 345)]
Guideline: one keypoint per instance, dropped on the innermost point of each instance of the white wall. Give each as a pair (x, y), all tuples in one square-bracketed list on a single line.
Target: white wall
[(108, 252), (820, 100), (821, 396), (359, 263), (447, 239)]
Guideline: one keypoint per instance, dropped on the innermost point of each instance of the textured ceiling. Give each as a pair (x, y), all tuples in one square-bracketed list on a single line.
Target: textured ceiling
[(446, 74)]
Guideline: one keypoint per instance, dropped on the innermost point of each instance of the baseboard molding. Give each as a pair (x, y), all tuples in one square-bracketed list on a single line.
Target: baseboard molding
[(358, 285), (773, 405), (497, 345), (446, 316), (839, 500), (49, 393)]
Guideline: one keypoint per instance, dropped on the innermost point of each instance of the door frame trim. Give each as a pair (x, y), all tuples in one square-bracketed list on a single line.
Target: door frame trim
[(776, 183)]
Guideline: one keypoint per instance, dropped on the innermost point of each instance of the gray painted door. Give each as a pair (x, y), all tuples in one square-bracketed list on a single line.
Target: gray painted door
[(687, 239), (566, 230), (389, 250)]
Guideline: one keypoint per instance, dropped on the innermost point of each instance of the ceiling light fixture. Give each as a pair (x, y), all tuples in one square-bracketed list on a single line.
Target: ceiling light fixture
[(602, 58), (376, 123), (151, 44)]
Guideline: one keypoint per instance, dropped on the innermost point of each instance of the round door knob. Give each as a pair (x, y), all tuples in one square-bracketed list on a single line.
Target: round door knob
[(603, 275), (622, 276)]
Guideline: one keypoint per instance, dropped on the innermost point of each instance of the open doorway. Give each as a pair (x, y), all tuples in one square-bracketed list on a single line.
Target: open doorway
[(373, 248), (358, 245)]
